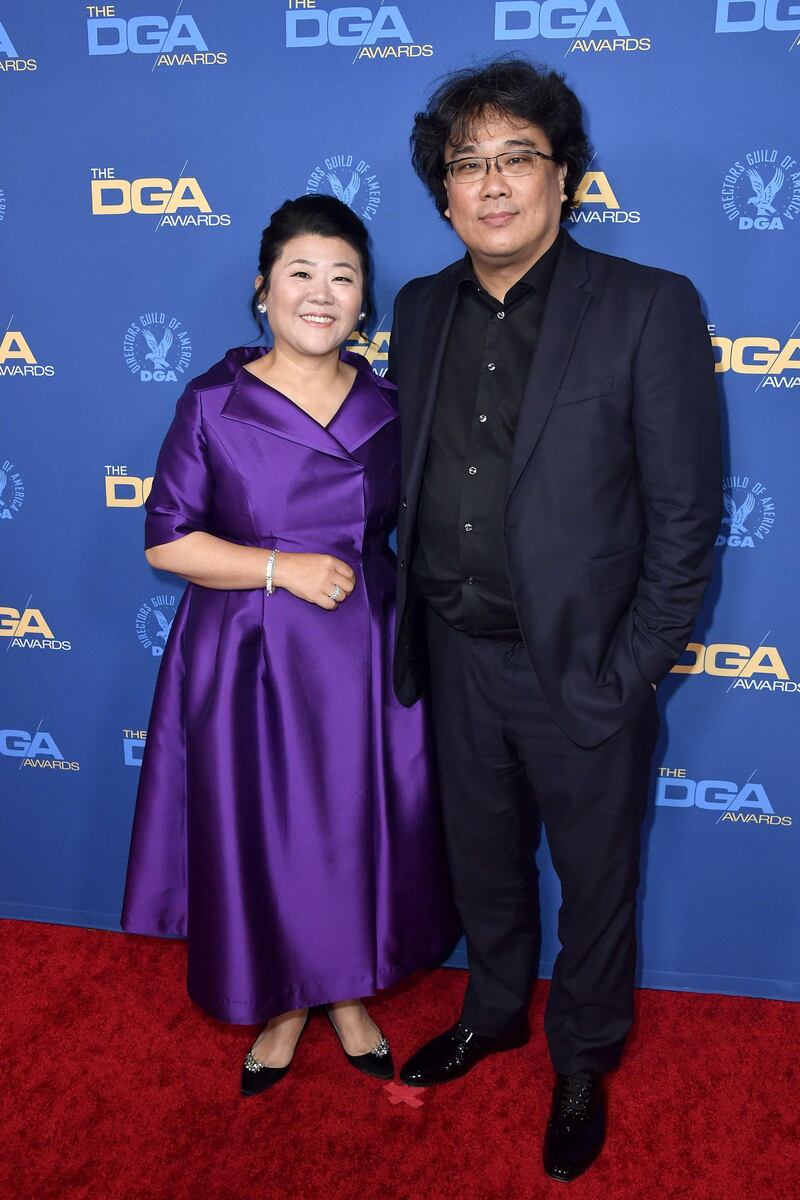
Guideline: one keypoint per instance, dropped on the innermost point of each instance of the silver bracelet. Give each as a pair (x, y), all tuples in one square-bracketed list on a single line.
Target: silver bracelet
[(269, 586)]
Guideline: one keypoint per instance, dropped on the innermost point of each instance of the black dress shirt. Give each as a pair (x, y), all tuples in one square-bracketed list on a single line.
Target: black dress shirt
[(459, 564)]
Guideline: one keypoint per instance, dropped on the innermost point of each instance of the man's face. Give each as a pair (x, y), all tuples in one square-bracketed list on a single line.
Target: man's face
[(501, 220)]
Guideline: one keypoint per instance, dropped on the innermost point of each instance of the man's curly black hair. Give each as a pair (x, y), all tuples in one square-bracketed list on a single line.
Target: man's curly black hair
[(510, 87)]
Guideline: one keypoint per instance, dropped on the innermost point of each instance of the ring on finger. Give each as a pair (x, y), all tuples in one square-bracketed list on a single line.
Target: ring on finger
[(337, 593)]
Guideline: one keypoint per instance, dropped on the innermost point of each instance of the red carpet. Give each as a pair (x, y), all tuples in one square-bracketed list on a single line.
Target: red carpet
[(115, 1087)]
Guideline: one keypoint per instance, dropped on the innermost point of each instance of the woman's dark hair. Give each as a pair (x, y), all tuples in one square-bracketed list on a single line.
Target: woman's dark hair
[(509, 87), (322, 215)]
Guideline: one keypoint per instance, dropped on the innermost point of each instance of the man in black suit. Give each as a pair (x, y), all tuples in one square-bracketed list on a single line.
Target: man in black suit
[(561, 497)]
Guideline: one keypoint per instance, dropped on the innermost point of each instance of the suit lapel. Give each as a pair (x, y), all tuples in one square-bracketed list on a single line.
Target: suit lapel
[(567, 301), (436, 318)]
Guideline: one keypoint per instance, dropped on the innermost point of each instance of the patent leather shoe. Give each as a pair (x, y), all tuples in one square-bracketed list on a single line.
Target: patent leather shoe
[(577, 1126), (377, 1062), (452, 1054), (257, 1077)]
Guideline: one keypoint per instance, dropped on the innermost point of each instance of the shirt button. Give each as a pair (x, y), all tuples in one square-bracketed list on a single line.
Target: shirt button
[(500, 316), (491, 366), (473, 470), (483, 418), (468, 527)]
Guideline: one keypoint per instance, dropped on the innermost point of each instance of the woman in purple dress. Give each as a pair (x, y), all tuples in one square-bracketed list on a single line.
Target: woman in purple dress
[(285, 820)]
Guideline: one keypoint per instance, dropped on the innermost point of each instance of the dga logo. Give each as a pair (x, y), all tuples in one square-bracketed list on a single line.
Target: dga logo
[(124, 490), (746, 805), (375, 349), (133, 741), (741, 665), (776, 363), (12, 491), (29, 630), (579, 22), (17, 358), (170, 38), (763, 191), (37, 749), (160, 341), (599, 204), (154, 621), (749, 512), (112, 197), (748, 16), (9, 59), (376, 32), (349, 180), (2, 204)]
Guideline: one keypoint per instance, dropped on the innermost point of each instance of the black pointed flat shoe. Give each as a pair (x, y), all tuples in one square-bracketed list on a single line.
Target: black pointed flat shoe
[(257, 1077), (376, 1062)]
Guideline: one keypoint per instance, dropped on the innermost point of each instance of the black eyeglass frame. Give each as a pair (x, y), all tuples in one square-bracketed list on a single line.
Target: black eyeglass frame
[(493, 158)]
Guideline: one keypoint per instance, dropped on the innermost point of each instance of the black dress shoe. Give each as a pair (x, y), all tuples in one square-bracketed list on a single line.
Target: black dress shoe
[(376, 1062), (577, 1126), (257, 1077), (452, 1054)]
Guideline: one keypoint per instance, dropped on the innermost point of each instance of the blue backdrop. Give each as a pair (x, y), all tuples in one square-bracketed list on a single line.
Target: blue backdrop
[(143, 150)]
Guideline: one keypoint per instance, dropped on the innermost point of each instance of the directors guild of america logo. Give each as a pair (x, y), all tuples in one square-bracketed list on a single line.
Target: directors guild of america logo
[(157, 348), (762, 192), (12, 491), (154, 621), (349, 180), (749, 513)]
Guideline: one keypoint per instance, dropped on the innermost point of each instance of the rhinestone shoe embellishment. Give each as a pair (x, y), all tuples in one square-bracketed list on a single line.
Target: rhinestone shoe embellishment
[(382, 1048), (252, 1064)]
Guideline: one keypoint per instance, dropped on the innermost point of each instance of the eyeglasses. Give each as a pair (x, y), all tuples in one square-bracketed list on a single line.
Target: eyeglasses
[(512, 163)]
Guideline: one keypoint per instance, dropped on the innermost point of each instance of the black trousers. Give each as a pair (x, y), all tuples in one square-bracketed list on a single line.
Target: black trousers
[(504, 765)]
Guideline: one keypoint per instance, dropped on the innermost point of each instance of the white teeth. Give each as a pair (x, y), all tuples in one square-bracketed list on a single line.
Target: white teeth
[(317, 320)]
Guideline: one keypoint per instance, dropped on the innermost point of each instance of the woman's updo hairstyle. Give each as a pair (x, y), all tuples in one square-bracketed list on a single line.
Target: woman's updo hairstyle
[(324, 216)]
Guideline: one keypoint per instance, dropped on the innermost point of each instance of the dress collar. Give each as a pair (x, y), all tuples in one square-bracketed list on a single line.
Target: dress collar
[(369, 405)]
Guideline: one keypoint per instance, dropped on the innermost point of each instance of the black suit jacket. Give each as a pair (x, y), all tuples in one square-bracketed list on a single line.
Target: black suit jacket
[(613, 498)]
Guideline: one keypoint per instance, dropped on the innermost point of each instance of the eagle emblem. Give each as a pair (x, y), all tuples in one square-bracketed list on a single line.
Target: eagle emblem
[(164, 624), (764, 194), (346, 194), (736, 516), (158, 350)]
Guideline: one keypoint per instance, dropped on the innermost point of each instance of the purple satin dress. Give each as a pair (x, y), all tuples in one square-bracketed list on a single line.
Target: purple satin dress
[(286, 821)]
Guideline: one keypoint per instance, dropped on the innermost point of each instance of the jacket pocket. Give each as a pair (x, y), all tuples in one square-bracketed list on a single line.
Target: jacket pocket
[(573, 393), (618, 570)]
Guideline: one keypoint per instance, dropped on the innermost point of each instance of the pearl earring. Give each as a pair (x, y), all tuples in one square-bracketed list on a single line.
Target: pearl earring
[(361, 316), (262, 308)]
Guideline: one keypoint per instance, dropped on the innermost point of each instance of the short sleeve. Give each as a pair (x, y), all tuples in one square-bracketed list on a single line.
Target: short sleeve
[(179, 500)]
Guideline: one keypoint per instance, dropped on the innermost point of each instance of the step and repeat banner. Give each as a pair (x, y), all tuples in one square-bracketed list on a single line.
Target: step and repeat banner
[(144, 145)]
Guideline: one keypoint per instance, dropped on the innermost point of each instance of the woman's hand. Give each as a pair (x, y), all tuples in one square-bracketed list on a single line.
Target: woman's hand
[(314, 577)]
